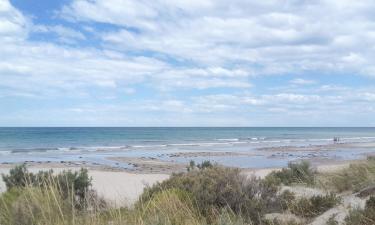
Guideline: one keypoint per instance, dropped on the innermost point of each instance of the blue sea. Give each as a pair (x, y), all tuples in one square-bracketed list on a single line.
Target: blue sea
[(96, 144)]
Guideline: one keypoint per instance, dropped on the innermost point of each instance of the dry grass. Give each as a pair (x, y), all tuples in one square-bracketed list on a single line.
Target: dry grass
[(40, 206), (354, 178)]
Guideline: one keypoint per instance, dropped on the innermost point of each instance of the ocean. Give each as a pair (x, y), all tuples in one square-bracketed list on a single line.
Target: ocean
[(98, 143)]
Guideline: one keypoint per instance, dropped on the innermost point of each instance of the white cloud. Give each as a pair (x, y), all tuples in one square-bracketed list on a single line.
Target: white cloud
[(13, 25), (300, 81), (65, 34), (206, 59), (281, 36)]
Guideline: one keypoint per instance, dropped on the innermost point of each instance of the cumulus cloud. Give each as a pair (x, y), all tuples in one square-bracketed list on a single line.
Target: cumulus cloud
[(281, 36), (209, 60)]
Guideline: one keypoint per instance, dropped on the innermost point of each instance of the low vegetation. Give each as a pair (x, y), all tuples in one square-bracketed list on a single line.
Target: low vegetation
[(314, 206), (207, 194), (308, 207), (295, 173), (77, 183), (354, 178), (215, 188)]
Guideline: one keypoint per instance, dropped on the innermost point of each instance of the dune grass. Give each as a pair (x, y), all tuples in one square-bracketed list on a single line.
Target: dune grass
[(357, 176)]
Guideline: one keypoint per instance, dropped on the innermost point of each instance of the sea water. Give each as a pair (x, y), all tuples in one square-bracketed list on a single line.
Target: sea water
[(96, 144)]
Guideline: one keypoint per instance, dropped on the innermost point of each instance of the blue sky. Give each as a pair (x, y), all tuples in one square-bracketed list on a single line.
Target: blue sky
[(187, 63)]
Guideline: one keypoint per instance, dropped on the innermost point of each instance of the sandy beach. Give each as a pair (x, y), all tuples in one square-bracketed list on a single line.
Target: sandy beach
[(122, 188), (118, 188)]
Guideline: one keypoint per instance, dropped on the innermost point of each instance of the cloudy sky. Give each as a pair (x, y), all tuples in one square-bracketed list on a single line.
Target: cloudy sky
[(187, 63)]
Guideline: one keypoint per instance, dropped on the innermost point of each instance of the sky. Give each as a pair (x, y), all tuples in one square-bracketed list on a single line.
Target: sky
[(187, 63)]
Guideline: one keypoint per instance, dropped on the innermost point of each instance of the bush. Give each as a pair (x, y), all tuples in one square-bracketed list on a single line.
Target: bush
[(363, 217), (205, 164), (314, 206), (216, 188), (286, 198), (21, 177), (78, 183), (295, 173)]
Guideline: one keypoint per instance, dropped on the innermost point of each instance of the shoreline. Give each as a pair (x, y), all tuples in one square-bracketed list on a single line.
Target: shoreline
[(121, 179), (238, 155)]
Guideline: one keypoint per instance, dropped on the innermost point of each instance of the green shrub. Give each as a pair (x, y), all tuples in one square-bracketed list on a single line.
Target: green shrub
[(295, 173), (314, 206), (216, 188), (77, 182), (19, 176), (204, 165)]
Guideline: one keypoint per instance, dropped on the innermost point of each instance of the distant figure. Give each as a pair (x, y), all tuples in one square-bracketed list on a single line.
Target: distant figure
[(336, 139)]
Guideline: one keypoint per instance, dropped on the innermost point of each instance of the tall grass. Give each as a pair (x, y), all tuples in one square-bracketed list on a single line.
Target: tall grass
[(357, 176), (46, 205)]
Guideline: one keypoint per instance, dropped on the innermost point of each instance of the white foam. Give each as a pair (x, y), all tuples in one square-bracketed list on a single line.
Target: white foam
[(227, 139)]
